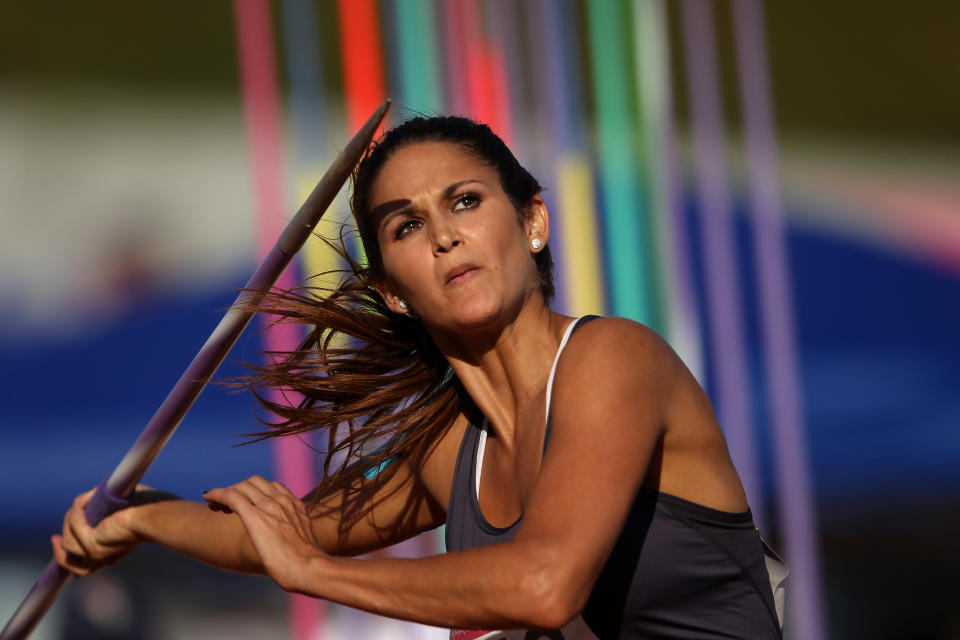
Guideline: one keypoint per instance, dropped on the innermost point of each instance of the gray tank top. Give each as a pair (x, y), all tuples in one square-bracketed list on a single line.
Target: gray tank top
[(677, 570)]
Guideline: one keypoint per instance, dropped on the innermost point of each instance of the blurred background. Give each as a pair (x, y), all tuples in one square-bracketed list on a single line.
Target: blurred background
[(774, 187)]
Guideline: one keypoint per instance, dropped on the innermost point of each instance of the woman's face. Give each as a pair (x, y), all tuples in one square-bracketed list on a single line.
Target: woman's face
[(453, 247)]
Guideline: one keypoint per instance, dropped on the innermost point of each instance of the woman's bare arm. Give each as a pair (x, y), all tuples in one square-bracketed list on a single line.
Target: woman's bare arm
[(607, 411), (218, 539)]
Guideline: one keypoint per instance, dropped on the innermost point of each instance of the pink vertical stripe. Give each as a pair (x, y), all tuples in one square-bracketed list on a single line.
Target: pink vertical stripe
[(292, 460), (483, 71)]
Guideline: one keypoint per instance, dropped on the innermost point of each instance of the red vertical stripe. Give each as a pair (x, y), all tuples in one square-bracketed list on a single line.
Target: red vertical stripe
[(500, 94), (362, 59)]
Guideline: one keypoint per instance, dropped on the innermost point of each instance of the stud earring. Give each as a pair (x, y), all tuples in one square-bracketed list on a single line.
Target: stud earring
[(536, 243), (402, 304)]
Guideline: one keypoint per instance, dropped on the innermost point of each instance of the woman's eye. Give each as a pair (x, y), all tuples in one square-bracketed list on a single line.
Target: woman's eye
[(405, 227), (466, 201)]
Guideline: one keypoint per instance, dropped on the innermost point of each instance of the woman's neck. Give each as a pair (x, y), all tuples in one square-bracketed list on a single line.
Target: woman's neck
[(504, 370)]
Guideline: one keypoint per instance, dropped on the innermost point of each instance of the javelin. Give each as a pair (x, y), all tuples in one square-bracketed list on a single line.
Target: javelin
[(116, 491)]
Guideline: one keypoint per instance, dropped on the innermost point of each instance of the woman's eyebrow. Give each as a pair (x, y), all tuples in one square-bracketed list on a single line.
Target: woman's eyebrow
[(384, 210), (380, 213), (449, 191)]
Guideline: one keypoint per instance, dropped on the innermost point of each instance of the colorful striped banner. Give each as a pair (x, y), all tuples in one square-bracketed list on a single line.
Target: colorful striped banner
[(618, 227)]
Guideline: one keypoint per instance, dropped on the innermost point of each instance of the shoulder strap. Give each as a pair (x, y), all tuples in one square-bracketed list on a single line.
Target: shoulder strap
[(573, 326), (553, 370)]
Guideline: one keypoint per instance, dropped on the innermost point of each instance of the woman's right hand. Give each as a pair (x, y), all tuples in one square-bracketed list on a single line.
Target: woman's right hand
[(82, 549)]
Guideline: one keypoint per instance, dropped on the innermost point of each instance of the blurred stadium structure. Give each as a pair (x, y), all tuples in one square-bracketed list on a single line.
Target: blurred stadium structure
[(149, 149)]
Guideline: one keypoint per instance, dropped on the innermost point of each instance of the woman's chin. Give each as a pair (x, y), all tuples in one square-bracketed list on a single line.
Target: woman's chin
[(474, 317)]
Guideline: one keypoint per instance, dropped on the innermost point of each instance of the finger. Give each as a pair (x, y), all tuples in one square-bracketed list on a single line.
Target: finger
[(68, 541), (229, 499), (256, 490), (219, 508), (214, 505), (256, 493), (71, 540), (262, 484), (292, 505), (56, 544), (296, 512), (282, 489), (77, 532), (214, 498), (284, 496), (65, 559)]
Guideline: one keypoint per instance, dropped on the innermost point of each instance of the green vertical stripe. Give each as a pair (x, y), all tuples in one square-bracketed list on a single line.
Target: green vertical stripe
[(419, 88), (625, 210), (647, 36)]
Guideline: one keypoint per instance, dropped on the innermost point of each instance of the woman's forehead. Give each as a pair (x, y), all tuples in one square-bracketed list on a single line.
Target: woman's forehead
[(426, 165)]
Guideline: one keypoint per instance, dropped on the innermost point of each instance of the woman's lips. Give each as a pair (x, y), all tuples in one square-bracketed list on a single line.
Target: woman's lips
[(461, 273)]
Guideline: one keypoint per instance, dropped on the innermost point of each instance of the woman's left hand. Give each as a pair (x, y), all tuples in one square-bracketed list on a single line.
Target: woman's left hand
[(276, 522)]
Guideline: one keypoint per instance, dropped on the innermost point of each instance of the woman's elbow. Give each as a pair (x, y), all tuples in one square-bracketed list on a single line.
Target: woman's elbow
[(554, 598)]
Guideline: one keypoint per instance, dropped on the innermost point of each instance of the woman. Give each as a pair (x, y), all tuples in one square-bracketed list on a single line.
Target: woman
[(590, 491)]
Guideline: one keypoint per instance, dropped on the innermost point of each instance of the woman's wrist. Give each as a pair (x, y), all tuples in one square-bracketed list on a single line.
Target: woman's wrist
[(131, 520), (310, 578), (149, 504)]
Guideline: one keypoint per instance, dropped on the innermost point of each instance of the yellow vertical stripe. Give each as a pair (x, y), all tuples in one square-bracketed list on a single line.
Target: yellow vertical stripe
[(316, 256), (580, 243)]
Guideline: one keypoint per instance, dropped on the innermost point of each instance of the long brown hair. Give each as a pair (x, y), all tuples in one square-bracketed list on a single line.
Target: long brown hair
[(372, 381)]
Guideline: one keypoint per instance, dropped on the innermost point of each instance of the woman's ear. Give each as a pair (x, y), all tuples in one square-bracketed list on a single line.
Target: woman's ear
[(393, 301), (537, 224)]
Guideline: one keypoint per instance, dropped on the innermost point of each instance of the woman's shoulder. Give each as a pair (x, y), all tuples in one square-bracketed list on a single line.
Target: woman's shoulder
[(619, 339), (611, 352)]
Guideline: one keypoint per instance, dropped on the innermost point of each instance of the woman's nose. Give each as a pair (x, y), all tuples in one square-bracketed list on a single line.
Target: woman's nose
[(445, 236)]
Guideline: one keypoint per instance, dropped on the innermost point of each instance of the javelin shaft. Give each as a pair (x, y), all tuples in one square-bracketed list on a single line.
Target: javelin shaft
[(116, 491)]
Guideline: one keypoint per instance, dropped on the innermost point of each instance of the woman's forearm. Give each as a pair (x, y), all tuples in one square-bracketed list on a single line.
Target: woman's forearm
[(192, 529), (537, 580), (503, 586)]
